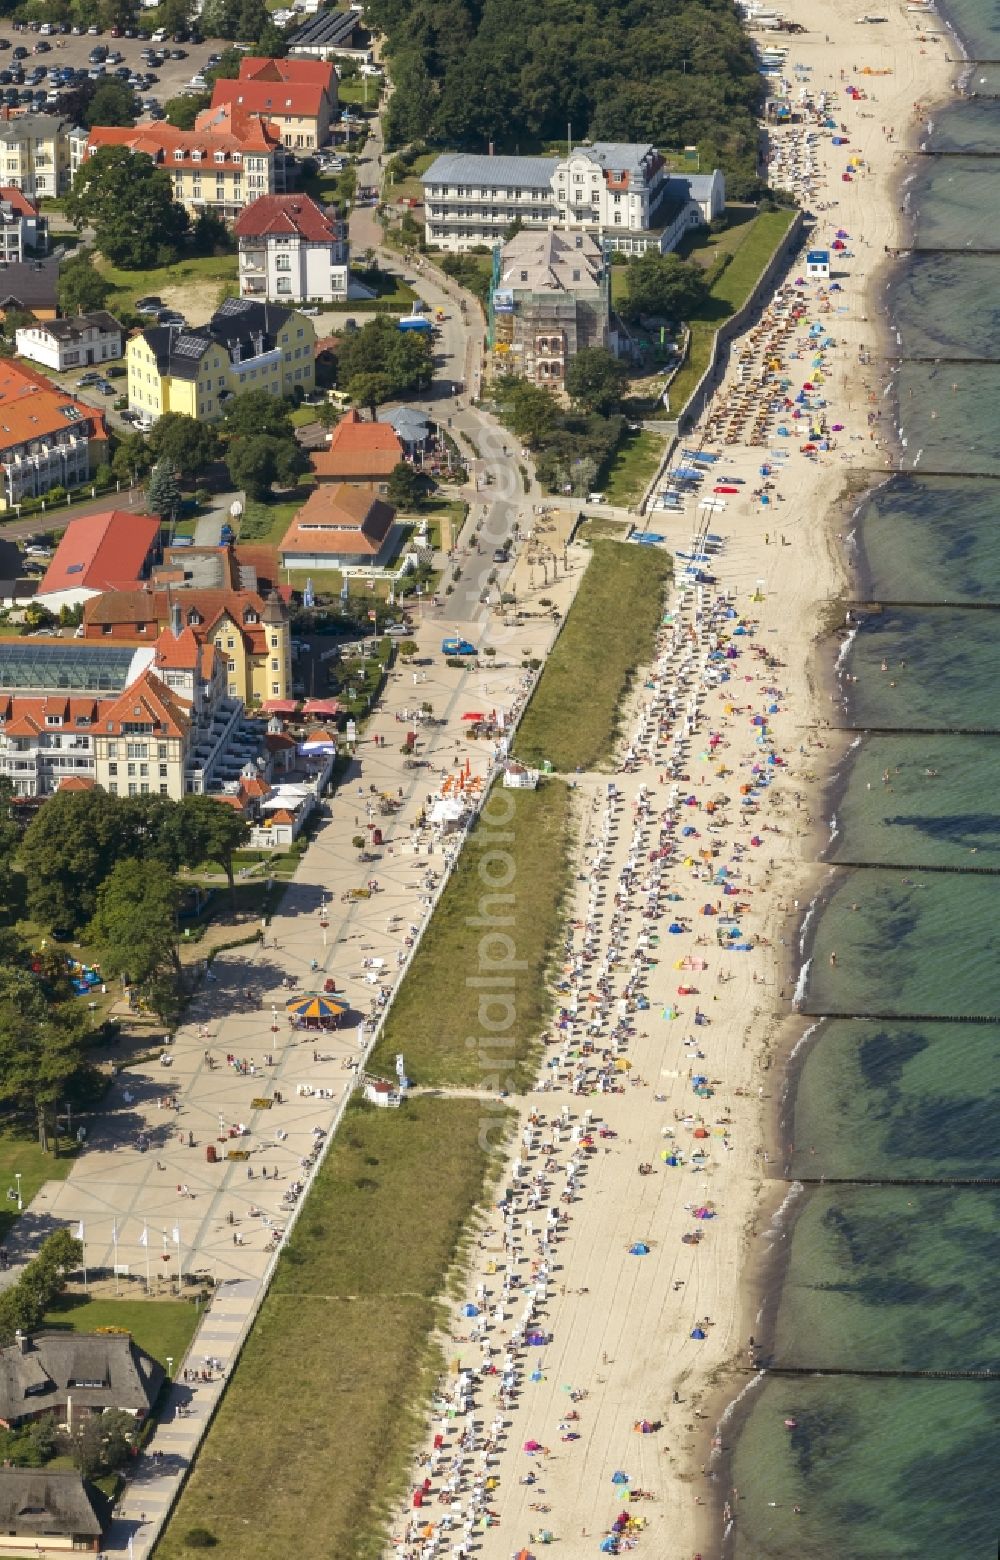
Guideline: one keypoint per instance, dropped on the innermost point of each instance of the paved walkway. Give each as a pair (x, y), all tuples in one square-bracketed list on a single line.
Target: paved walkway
[(146, 1166)]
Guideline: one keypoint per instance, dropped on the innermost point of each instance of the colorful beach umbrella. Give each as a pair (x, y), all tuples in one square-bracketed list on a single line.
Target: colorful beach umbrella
[(314, 1006)]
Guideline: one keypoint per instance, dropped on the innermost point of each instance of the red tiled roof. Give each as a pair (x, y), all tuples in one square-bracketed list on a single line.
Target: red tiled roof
[(286, 214), (301, 100), (227, 801), (321, 73), (98, 550), (76, 783), (339, 519), (255, 787), (354, 433), (213, 133), (20, 202), (153, 606)]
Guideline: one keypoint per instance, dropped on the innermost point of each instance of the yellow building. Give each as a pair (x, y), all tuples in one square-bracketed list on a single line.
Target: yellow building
[(251, 633), (245, 346), (39, 153)]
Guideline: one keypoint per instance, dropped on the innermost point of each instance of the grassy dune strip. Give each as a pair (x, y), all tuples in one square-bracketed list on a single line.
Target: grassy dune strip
[(481, 971), (573, 716), (310, 1448)]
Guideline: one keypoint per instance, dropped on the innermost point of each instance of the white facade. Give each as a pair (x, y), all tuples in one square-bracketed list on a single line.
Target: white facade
[(67, 344), (287, 268), (618, 191), (20, 230)]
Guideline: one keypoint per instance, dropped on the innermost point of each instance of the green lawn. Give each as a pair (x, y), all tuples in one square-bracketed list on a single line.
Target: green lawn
[(442, 1003), (331, 1384), (608, 634), (130, 285), (19, 1151), (751, 245), (632, 468), (164, 1328), (267, 523)]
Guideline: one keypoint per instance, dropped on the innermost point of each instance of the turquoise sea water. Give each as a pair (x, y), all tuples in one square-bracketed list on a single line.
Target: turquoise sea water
[(887, 1258)]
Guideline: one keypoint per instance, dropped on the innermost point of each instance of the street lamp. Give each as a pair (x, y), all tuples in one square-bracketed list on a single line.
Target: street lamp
[(20, 1200), (170, 1365), (324, 921)]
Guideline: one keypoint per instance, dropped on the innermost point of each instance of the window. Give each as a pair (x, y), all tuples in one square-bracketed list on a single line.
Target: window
[(112, 769), (163, 773), (132, 790), (164, 790), (275, 687), (113, 789), (275, 666), (161, 750)]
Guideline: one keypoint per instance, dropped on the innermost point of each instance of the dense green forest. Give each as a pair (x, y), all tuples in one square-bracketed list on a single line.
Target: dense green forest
[(673, 72)]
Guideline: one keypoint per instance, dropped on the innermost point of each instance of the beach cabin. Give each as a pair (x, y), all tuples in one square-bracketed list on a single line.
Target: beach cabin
[(818, 264), (384, 1095)]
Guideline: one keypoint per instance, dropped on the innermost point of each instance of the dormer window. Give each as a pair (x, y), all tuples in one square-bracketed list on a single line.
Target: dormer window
[(249, 615), (220, 157), (196, 156), (178, 155)]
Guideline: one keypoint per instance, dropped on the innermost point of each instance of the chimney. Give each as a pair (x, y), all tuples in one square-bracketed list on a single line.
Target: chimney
[(175, 619)]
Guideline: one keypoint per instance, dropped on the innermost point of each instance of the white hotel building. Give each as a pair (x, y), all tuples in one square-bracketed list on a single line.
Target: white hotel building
[(618, 191)]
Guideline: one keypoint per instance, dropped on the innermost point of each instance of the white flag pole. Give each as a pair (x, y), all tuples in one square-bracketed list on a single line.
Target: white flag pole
[(114, 1244)]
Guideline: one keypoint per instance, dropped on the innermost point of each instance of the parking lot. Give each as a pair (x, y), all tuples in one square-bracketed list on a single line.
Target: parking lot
[(172, 76)]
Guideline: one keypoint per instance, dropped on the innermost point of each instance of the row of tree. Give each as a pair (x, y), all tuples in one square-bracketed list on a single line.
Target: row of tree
[(670, 72)]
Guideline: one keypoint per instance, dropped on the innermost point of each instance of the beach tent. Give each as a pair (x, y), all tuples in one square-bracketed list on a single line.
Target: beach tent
[(698, 1332), (638, 1249), (470, 1310), (618, 1477)]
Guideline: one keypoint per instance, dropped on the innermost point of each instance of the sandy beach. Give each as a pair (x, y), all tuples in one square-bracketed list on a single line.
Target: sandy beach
[(604, 1325)]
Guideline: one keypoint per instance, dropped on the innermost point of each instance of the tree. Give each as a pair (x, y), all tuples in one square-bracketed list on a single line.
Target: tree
[(210, 235), (135, 926), (130, 204), (82, 288), (10, 839), (255, 464), (663, 286), (183, 111), (23, 1305), (103, 1443), (68, 849), (209, 831), (41, 1048), (112, 104), (402, 360), (257, 411), (529, 411), (132, 459), (595, 380), (187, 444), (163, 496), (404, 488), (369, 391)]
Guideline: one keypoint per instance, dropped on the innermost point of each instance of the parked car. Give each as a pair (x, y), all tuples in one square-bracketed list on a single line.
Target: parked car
[(149, 305), (87, 379)]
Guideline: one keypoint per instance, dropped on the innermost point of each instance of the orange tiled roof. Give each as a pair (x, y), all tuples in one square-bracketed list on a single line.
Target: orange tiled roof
[(178, 652), (76, 783), (147, 701), (31, 407), (340, 519)]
